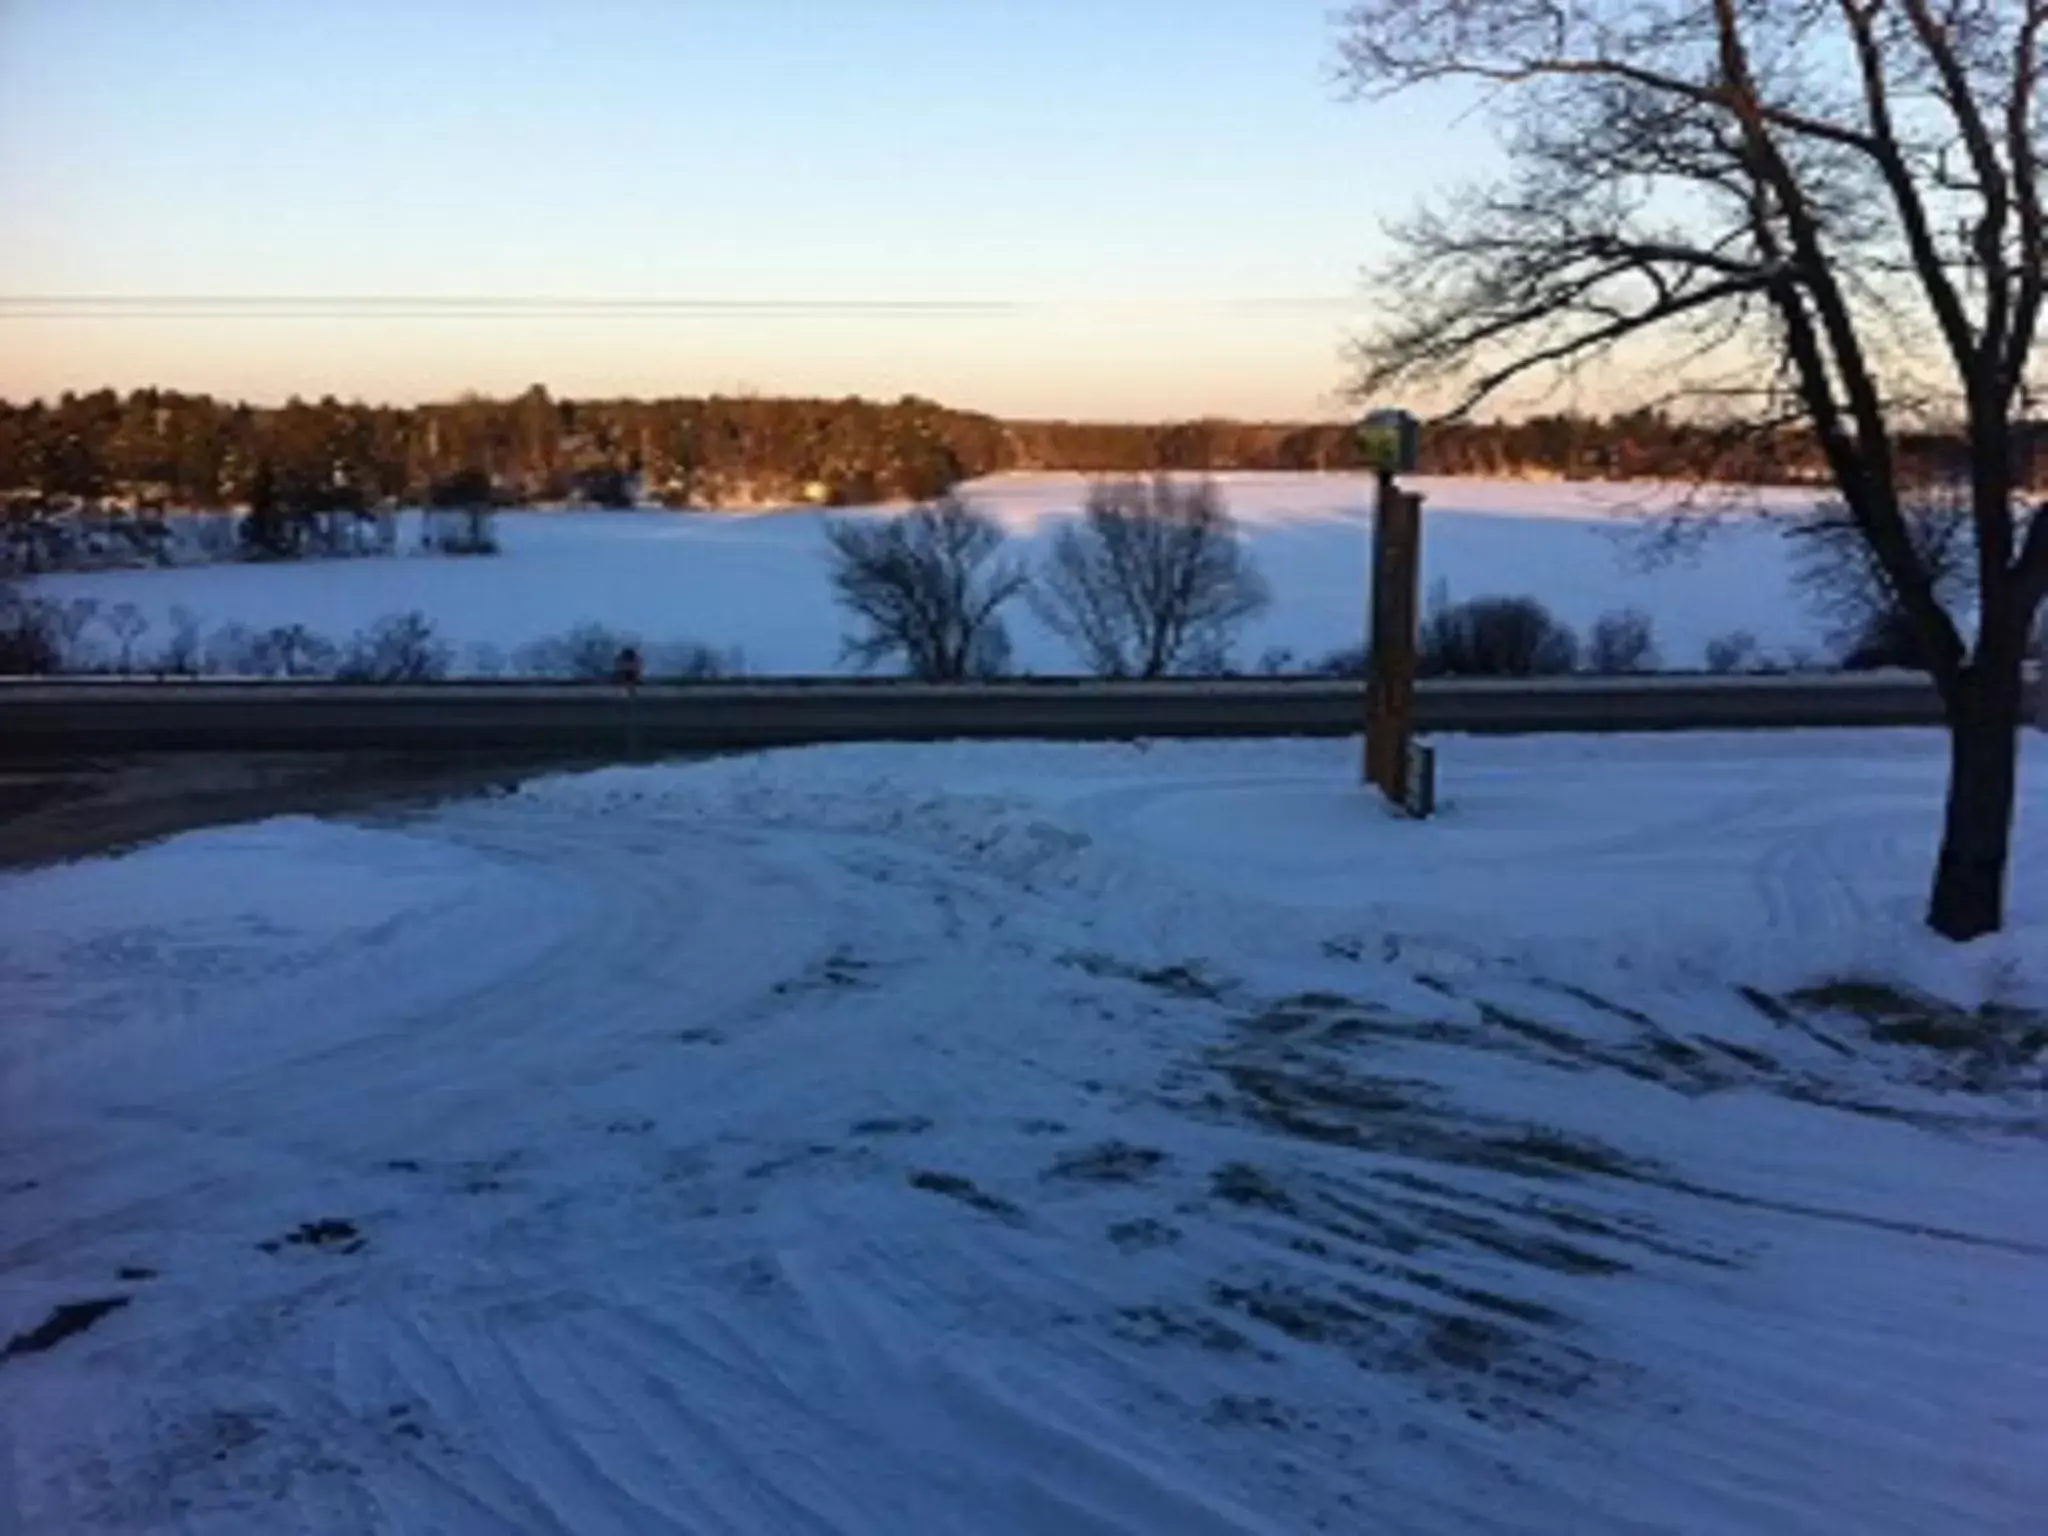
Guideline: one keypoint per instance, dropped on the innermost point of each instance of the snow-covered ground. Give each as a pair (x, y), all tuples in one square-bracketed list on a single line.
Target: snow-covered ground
[(1030, 1138), (758, 581)]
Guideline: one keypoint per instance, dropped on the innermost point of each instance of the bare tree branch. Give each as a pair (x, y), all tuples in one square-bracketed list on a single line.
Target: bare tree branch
[(1617, 329), (2023, 154), (1991, 184), (1898, 177)]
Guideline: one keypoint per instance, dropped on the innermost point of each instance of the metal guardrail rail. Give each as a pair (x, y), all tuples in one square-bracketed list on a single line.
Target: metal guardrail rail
[(70, 717)]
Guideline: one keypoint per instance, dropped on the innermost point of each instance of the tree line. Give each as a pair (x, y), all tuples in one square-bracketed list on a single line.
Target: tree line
[(163, 447), (154, 447)]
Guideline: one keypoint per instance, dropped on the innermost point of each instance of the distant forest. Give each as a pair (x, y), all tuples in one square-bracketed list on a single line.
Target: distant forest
[(165, 449)]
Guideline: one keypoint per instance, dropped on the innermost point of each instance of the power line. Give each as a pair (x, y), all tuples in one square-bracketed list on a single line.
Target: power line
[(43, 306)]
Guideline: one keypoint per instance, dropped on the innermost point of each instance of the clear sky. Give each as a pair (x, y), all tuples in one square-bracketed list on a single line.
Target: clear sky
[(1131, 172)]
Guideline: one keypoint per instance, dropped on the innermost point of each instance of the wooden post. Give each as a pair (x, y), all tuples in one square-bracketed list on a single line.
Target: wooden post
[(1376, 586), (1390, 685), (626, 672)]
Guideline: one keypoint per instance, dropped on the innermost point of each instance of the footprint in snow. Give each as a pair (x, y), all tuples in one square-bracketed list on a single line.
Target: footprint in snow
[(330, 1234)]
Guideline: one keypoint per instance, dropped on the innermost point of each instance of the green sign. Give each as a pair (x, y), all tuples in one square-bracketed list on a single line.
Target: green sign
[(1390, 442)]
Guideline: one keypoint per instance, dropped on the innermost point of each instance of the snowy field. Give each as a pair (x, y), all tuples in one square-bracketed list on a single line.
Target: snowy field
[(1022, 1138), (758, 581)]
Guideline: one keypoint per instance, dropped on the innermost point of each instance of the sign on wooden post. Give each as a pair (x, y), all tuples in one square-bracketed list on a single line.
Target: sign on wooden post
[(627, 670), (1390, 687), (1390, 442)]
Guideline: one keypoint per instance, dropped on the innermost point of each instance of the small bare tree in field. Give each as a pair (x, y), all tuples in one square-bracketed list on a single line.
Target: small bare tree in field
[(32, 642), (1839, 200), (1736, 651), (1622, 641), (928, 588), (1153, 580), (128, 624), (183, 653)]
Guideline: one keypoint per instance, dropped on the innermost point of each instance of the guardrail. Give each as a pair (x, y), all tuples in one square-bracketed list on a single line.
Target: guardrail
[(74, 717)]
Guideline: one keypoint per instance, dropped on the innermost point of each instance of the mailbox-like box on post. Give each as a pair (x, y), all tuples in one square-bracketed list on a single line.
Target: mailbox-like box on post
[(1391, 442)]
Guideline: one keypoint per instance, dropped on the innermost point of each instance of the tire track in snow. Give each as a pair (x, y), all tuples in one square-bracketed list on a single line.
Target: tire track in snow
[(793, 1353)]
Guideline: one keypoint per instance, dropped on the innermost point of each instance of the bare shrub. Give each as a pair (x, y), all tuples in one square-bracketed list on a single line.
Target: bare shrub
[(587, 653), (236, 650), (484, 660), (72, 620), (183, 654), (285, 650), (1622, 641), (1847, 586), (399, 648), (1736, 651), (31, 641), (926, 588), (1348, 661), (1495, 637), (690, 661), (127, 624), (293, 650), (1153, 580)]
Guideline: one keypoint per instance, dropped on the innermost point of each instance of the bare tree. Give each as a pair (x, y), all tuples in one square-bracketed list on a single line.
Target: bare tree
[(128, 624), (398, 648), (1846, 584), (235, 650), (589, 653), (293, 650), (1736, 651), (32, 642), (70, 621), (927, 587), (1840, 200), (183, 653), (1152, 580), (1623, 641)]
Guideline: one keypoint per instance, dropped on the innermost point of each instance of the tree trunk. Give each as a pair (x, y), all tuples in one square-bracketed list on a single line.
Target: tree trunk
[(1984, 723)]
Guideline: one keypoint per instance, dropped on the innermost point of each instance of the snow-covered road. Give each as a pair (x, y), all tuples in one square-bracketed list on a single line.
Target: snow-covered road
[(1026, 1138)]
